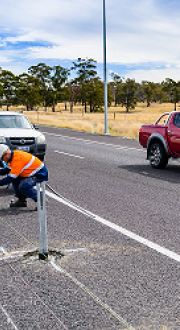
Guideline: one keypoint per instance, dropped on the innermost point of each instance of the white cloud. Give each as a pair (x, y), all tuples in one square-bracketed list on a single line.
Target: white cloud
[(154, 75), (45, 14), (4, 59), (137, 31), (72, 50)]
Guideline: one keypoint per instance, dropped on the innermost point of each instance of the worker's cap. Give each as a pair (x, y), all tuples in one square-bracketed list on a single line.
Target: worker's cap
[(3, 149)]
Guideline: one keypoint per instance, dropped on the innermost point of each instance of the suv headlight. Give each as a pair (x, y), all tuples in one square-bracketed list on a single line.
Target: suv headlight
[(2, 139), (41, 139)]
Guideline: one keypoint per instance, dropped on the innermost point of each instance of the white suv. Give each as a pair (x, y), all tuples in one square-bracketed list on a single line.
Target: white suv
[(18, 133)]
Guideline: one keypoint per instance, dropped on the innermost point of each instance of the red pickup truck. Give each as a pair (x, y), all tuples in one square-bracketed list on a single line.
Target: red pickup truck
[(162, 139)]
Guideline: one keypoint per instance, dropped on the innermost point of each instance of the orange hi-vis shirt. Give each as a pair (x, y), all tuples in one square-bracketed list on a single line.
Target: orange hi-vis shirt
[(24, 164)]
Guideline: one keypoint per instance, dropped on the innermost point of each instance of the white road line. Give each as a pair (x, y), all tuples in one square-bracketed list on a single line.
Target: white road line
[(67, 154), (170, 254), (8, 317), (95, 142)]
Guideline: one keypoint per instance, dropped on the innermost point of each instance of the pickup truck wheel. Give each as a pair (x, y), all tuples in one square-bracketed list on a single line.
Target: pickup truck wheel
[(157, 156)]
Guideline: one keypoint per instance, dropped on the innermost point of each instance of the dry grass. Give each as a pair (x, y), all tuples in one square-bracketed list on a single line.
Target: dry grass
[(120, 123)]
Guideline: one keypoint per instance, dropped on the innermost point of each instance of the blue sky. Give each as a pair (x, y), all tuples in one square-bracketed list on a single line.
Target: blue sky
[(142, 36)]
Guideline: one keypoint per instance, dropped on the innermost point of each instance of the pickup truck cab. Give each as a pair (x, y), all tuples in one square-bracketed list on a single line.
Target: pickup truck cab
[(162, 139)]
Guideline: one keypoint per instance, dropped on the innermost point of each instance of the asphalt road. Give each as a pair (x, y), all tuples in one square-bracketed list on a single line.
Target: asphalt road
[(115, 220)]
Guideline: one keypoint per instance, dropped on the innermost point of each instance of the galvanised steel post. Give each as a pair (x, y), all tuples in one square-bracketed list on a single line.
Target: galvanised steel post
[(43, 246), (105, 66)]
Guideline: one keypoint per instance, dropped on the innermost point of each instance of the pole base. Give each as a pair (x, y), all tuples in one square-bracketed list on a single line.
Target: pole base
[(43, 256)]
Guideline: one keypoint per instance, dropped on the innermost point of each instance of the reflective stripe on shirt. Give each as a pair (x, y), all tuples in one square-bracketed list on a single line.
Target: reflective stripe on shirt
[(28, 165), (37, 170)]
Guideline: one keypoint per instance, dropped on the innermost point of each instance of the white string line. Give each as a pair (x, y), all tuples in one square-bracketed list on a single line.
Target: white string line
[(92, 295), (40, 299), (3, 251)]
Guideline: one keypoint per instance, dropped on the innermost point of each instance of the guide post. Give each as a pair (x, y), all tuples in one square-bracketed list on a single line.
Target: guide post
[(41, 201)]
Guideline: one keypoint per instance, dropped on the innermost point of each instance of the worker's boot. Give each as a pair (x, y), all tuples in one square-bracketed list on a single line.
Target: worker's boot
[(21, 202)]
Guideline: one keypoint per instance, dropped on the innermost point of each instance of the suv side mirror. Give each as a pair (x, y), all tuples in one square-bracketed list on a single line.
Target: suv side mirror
[(36, 126)]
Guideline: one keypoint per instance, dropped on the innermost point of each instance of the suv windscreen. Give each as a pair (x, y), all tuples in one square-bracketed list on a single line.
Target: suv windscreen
[(14, 121)]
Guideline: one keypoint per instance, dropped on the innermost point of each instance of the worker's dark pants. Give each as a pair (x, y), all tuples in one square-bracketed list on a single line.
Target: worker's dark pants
[(24, 187)]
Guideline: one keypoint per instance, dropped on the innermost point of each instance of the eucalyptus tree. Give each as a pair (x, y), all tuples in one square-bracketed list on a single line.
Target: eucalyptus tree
[(1, 89), (127, 94), (74, 94), (85, 70), (60, 91), (173, 88), (1, 95), (8, 82), (149, 89), (29, 91), (140, 93), (115, 86), (160, 94), (95, 94), (42, 72)]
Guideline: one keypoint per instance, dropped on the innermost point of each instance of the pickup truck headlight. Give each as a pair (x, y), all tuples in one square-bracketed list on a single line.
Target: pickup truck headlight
[(41, 139), (2, 139)]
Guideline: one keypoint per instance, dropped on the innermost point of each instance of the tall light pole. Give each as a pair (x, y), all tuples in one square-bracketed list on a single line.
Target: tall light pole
[(105, 67)]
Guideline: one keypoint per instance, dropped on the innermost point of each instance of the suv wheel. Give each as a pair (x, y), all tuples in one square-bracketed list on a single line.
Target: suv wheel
[(157, 156)]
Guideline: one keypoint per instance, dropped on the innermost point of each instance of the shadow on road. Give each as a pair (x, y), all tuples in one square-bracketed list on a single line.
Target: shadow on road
[(8, 194), (170, 174)]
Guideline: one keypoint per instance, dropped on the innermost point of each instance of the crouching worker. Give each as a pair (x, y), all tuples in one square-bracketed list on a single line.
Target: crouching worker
[(24, 171)]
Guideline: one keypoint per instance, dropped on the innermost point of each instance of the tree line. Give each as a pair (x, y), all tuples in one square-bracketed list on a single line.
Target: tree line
[(46, 86)]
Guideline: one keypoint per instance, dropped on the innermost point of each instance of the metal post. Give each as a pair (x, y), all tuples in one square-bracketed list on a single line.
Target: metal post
[(92, 127), (105, 67), (43, 246)]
